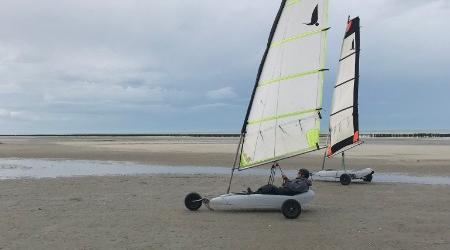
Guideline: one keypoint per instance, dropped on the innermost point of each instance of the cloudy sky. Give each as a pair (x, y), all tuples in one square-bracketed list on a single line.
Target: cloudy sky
[(97, 66)]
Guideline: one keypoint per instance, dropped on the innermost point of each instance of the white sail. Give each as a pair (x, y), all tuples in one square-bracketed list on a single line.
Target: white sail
[(283, 118), (344, 127)]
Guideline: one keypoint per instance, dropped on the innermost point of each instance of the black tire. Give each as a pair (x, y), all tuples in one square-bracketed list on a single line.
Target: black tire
[(368, 178), (291, 209), (345, 179), (193, 201)]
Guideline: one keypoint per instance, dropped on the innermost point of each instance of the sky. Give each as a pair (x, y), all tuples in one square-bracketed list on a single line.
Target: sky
[(98, 66)]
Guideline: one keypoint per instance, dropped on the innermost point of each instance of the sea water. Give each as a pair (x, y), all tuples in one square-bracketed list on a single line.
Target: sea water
[(14, 168)]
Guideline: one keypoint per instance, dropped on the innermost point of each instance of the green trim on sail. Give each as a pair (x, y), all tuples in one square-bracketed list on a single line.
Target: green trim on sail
[(325, 12), (246, 164), (313, 136), (296, 37), (289, 3), (325, 38), (323, 57), (275, 117), (320, 94), (243, 159), (289, 77)]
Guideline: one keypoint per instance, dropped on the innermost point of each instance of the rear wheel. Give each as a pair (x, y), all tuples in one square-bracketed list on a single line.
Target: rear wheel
[(193, 201), (345, 179), (291, 209), (368, 178)]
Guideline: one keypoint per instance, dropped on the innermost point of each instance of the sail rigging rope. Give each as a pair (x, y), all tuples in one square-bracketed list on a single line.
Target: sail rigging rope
[(273, 171)]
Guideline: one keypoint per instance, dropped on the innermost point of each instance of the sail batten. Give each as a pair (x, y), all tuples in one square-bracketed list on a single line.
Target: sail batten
[(344, 121), (279, 158), (283, 118), (296, 37), (340, 84), (292, 2), (342, 110), (301, 112), (288, 77)]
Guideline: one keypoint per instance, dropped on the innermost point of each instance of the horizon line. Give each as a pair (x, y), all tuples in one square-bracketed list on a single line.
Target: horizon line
[(222, 134)]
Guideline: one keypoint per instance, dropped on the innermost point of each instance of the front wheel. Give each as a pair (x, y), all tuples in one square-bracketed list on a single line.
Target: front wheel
[(193, 201), (291, 209), (345, 179)]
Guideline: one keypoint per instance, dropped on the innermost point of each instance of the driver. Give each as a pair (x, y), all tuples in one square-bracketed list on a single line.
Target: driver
[(295, 186), (298, 185)]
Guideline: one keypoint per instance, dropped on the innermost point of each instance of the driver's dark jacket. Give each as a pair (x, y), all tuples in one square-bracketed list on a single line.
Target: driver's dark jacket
[(298, 185)]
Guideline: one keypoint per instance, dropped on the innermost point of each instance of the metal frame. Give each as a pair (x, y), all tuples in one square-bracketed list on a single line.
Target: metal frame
[(341, 151), (239, 148)]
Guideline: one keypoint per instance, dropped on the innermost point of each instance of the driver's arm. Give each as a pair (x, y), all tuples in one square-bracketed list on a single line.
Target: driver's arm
[(285, 178)]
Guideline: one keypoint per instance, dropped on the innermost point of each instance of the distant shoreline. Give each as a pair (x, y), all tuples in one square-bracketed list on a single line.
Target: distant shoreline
[(363, 135)]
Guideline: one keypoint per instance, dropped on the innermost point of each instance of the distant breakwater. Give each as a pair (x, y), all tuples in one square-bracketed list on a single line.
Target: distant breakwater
[(363, 135), (405, 135)]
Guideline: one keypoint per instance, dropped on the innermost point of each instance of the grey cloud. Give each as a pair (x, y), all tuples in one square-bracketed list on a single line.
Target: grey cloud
[(222, 93), (151, 61)]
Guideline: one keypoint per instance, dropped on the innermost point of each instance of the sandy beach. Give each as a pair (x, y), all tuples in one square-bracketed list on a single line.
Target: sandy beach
[(147, 211)]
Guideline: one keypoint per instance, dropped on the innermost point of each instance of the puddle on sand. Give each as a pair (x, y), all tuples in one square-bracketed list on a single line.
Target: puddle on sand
[(399, 178), (409, 179), (13, 168)]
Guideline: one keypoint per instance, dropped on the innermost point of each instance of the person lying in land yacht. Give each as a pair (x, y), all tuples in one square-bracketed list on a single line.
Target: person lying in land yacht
[(298, 185)]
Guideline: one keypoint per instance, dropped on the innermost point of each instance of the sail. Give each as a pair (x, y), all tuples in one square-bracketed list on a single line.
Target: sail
[(283, 118), (344, 128)]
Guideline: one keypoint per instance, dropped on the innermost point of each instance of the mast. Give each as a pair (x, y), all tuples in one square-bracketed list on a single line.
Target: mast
[(325, 153), (258, 76), (343, 159), (234, 164)]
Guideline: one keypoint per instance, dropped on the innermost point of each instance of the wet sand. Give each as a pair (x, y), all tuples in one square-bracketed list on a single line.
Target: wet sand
[(415, 156), (147, 211)]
